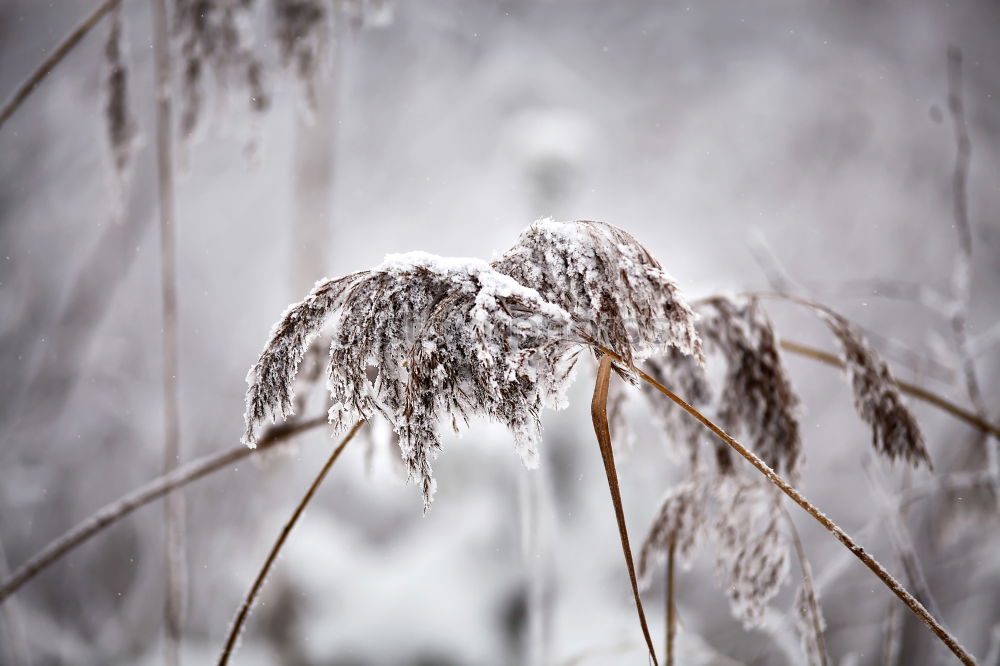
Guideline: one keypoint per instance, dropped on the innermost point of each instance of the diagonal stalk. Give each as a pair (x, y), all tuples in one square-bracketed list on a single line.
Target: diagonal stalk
[(599, 413), (842, 536), (58, 53), (258, 583), (154, 490)]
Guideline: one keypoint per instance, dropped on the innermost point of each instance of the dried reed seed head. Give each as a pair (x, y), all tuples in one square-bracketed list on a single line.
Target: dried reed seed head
[(120, 122), (757, 398), (217, 35), (448, 338), (895, 432), (302, 28), (686, 377), (616, 292), (751, 547), (681, 520), (809, 620)]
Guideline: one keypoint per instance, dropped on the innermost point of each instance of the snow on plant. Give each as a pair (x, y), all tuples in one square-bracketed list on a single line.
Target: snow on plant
[(617, 293), (422, 339)]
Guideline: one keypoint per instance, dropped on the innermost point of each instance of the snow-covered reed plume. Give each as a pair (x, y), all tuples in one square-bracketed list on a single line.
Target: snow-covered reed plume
[(617, 293), (444, 339), (422, 339)]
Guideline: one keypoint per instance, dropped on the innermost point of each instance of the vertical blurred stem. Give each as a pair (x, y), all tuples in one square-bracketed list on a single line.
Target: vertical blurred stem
[(668, 660), (314, 176), (962, 273), (10, 617), (173, 507)]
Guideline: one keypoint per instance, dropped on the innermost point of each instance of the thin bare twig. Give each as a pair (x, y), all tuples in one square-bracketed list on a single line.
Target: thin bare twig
[(818, 515), (174, 505), (272, 556), (11, 624), (962, 272), (62, 49), (899, 535), (598, 411), (155, 489), (808, 583), (668, 659)]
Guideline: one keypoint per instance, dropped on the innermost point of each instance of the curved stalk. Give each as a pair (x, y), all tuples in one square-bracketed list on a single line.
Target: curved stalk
[(599, 412), (60, 52), (154, 490), (248, 601)]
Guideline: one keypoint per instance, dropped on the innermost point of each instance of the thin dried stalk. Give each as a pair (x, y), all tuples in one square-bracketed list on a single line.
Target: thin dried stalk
[(962, 274), (821, 518), (808, 611), (47, 65), (598, 411), (11, 624), (272, 556), (892, 639), (900, 538), (154, 490), (173, 507), (671, 606)]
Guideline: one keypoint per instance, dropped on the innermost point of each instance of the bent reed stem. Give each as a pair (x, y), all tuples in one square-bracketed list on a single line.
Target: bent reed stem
[(895, 586), (272, 556), (599, 413), (154, 490)]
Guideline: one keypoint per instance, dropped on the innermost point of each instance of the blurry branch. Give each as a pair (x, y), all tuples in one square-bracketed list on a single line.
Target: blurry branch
[(272, 556), (979, 344), (784, 286), (671, 613), (946, 483), (899, 536), (173, 507), (599, 413), (155, 489), (892, 635), (911, 389), (13, 627), (962, 272), (880, 571), (60, 52), (815, 616), (992, 657)]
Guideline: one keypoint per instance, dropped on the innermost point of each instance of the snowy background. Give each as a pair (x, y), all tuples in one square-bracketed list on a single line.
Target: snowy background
[(730, 138)]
